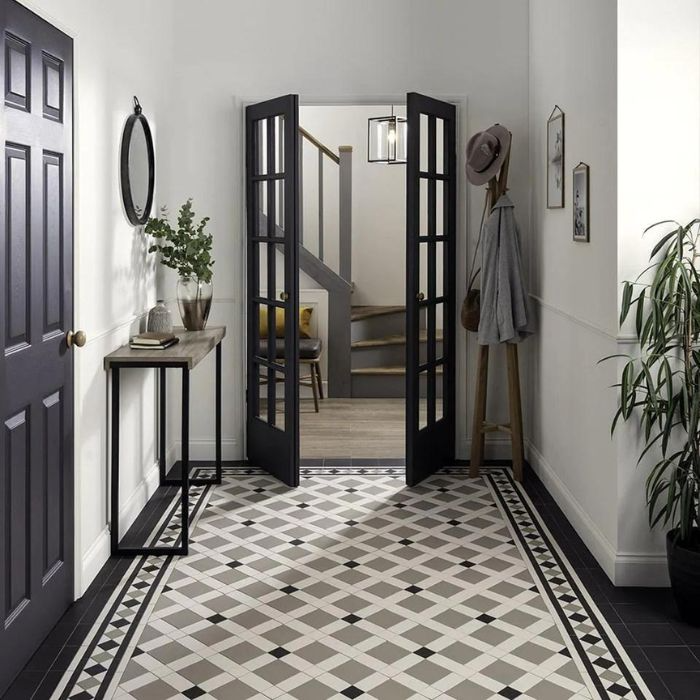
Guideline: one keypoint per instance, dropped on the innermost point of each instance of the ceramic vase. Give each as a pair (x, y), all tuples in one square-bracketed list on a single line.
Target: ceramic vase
[(160, 320)]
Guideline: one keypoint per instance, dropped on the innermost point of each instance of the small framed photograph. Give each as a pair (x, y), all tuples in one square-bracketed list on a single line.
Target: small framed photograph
[(555, 159), (581, 199)]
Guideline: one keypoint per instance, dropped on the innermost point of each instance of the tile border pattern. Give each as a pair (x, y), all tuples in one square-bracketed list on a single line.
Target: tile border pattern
[(592, 644), (603, 663), (105, 648)]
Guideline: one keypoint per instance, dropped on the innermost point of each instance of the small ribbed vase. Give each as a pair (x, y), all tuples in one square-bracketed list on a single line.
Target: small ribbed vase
[(160, 320), (194, 299)]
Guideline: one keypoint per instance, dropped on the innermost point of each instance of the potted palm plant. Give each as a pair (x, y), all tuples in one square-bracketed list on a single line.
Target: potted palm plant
[(186, 249), (661, 388)]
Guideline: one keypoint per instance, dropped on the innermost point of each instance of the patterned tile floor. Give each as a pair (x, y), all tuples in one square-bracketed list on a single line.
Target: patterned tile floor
[(353, 586)]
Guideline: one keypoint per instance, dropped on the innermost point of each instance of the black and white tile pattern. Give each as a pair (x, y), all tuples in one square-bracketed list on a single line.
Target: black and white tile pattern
[(355, 586), (97, 660)]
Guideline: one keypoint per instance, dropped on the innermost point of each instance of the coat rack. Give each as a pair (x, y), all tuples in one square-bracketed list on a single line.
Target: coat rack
[(480, 426)]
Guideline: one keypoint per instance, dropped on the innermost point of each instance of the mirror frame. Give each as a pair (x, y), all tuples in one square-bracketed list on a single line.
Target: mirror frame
[(125, 180)]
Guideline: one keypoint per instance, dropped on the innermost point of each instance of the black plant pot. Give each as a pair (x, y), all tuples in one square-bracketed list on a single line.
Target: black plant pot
[(684, 571)]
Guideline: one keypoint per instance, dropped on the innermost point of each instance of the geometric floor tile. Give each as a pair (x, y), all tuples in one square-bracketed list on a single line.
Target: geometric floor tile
[(354, 585)]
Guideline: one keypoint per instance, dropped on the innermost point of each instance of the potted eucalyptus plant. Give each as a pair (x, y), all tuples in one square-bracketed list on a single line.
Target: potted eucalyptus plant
[(186, 249), (661, 388)]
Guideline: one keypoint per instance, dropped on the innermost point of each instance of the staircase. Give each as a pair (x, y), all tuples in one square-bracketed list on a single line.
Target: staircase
[(378, 351), (366, 347)]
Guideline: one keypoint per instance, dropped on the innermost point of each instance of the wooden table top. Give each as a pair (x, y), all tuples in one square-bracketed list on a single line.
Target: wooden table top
[(193, 347)]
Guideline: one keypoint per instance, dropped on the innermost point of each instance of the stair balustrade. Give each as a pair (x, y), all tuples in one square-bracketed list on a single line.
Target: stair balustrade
[(315, 263)]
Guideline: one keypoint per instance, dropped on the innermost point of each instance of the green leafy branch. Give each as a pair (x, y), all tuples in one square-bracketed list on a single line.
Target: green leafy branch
[(186, 248)]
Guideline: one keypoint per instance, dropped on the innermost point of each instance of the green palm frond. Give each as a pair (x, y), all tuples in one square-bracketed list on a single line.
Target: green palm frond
[(661, 386)]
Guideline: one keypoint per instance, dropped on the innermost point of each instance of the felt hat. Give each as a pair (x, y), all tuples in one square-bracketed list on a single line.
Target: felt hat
[(486, 152)]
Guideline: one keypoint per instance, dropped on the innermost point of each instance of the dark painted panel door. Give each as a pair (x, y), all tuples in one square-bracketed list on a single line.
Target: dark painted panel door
[(272, 173), (431, 194), (36, 306)]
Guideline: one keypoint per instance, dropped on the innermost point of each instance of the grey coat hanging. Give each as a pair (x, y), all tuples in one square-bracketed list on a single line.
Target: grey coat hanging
[(505, 315)]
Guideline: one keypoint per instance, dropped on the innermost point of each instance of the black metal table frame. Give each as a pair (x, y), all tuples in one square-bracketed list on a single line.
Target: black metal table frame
[(184, 482)]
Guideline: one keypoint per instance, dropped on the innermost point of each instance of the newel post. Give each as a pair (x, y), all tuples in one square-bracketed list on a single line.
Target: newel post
[(345, 213)]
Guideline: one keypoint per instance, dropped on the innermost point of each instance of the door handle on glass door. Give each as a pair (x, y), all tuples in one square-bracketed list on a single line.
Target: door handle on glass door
[(77, 338), (420, 296), (284, 296)]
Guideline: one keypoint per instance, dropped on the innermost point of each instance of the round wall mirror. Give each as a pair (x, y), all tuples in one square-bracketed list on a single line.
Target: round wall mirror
[(137, 167)]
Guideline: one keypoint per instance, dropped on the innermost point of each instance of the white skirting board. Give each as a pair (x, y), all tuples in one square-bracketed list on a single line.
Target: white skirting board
[(623, 568), (99, 551), (93, 560)]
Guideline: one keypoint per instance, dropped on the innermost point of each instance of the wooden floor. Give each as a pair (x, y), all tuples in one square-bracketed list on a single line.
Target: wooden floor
[(356, 428)]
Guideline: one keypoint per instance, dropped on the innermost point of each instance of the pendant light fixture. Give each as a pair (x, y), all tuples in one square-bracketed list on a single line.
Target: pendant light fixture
[(386, 139)]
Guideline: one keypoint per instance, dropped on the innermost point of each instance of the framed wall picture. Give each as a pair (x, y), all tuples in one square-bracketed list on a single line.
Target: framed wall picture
[(555, 159), (581, 199)]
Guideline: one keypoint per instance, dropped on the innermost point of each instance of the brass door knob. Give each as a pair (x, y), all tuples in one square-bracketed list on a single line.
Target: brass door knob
[(284, 296), (420, 296), (77, 338)]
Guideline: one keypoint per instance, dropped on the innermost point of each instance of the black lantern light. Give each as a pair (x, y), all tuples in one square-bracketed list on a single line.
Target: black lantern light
[(386, 139)]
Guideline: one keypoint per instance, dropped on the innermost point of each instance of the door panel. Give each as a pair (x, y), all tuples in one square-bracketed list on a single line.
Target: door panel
[(36, 371), (272, 171), (431, 194)]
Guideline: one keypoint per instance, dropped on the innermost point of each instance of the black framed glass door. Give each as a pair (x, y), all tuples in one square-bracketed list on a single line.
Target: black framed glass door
[(431, 196), (272, 189)]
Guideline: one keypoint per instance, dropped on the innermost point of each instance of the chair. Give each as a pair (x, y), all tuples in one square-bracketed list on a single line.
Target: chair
[(309, 354)]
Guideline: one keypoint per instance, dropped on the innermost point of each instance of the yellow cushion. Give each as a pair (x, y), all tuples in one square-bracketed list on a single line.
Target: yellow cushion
[(279, 322), (304, 321)]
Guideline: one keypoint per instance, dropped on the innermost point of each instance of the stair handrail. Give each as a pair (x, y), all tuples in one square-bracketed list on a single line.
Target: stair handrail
[(321, 146)]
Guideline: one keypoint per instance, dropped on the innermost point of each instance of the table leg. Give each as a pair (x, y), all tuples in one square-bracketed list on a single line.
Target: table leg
[(114, 492), (162, 418), (198, 480), (217, 418), (185, 459), (184, 482)]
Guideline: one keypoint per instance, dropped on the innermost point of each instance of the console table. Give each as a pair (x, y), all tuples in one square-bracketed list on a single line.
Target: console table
[(193, 347)]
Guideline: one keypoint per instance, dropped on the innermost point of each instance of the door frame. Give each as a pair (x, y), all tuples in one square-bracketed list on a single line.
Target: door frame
[(465, 351)]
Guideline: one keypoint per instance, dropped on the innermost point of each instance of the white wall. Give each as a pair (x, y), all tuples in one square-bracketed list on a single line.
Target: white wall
[(121, 50), (658, 178), (632, 113), (574, 284), (378, 203), (230, 51)]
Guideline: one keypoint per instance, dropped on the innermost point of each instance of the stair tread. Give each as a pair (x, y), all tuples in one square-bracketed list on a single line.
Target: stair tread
[(360, 312), (391, 340), (390, 370)]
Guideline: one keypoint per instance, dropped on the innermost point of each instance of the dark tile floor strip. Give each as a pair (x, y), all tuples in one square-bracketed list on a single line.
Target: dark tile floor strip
[(665, 650)]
